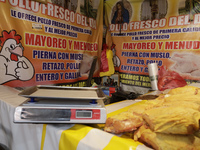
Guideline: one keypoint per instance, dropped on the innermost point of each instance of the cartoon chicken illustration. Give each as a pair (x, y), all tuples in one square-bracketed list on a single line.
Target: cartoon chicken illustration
[(13, 65)]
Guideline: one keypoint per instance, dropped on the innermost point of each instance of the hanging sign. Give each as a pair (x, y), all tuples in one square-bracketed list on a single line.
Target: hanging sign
[(165, 32), (48, 42)]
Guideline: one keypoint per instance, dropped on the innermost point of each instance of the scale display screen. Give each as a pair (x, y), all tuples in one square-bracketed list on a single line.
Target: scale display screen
[(83, 114), (45, 114)]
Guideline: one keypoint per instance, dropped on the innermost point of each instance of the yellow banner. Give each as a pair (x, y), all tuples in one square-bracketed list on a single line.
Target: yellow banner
[(162, 31), (48, 43)]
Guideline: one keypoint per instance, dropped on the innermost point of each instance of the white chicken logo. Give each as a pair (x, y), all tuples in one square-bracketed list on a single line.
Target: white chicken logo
[(13, 65)]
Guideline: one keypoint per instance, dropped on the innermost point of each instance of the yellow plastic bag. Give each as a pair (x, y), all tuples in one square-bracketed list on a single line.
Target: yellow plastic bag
[(109, 56)]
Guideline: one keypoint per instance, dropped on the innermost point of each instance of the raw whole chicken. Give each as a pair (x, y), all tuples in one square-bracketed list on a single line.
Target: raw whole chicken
[(186, 63)]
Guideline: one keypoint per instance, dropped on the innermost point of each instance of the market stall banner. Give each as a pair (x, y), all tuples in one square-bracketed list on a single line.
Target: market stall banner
[(49, 42), (165, 32)]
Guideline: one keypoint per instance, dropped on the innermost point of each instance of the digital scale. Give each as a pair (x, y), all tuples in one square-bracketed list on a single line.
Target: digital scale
[(55, 104)]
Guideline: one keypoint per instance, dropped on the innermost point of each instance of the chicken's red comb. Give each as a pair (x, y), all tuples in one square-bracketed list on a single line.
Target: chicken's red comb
[(9, 35)]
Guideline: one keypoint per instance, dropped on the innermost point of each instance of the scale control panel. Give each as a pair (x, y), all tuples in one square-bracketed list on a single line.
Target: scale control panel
[(85, 114), (59, 115)]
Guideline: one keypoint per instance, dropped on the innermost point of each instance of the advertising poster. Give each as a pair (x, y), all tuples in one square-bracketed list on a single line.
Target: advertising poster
[(49, 42), (162, 31)]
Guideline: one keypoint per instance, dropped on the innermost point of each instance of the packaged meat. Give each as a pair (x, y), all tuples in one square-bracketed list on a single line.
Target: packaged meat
[(169, 79), (160, 141), (123, 122)]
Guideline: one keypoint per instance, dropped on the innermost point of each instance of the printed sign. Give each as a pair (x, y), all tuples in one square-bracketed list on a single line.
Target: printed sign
[(165, 32), (49, 43)]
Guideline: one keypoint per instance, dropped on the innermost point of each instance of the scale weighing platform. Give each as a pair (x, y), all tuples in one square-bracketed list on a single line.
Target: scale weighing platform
[(55, 104)]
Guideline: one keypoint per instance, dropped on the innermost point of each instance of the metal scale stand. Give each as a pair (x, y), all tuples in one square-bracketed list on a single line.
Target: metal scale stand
[(55, 104)]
